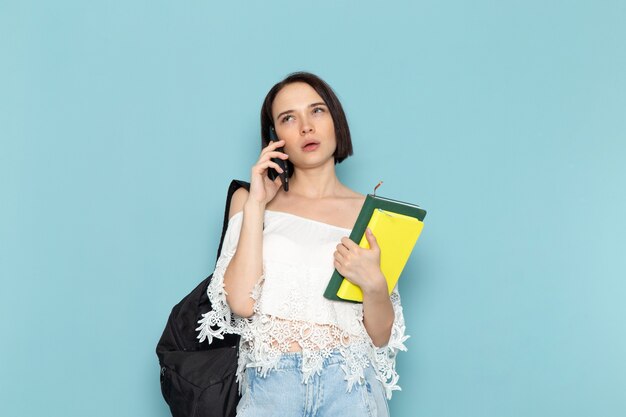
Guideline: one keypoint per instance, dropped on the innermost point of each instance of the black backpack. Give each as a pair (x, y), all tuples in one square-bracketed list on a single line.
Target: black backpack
[(198, 379)]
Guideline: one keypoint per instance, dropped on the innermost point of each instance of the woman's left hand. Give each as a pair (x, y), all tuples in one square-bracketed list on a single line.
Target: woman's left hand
[(359, 265)]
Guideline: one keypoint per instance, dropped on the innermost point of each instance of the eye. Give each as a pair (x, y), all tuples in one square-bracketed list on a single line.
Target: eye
[(286, 118), (319, 110)]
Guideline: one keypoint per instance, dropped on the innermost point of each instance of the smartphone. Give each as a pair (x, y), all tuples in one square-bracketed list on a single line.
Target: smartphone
[(271, 172)]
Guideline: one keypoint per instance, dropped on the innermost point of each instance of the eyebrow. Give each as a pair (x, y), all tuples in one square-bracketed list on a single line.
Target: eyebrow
[(310, 105)]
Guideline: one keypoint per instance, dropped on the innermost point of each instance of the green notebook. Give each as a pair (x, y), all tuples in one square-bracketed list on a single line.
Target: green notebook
[(397, 226)]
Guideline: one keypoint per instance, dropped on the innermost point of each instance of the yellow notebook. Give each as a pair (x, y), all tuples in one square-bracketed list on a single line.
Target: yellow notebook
[(396, 226)]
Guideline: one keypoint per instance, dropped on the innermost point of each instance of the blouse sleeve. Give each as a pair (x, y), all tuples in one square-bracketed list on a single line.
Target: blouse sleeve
[(220, 320), (386, 356)]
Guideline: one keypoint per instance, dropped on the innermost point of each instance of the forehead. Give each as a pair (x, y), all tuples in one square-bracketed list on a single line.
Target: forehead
[(295, 96)]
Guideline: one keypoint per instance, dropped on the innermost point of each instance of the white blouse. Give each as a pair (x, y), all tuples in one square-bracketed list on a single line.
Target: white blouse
[(290, 306)]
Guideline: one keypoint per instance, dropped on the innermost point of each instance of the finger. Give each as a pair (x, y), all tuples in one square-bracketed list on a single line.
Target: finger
[(278, 181), (273, 154), (339, 257), (371, 239), (273, 146), (270, 164), (348, 243), (277, 167), (262, 166), (342, 250), (338, 266)]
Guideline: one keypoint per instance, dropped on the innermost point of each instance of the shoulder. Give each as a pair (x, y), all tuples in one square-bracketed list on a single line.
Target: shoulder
[(355, 199), (237, 201), (352, 202)]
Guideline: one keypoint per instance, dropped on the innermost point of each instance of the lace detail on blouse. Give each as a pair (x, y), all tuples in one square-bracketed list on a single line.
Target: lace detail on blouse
[(289, 308)]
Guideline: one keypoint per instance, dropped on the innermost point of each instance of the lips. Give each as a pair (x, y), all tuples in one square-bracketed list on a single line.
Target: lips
[(310, 145)]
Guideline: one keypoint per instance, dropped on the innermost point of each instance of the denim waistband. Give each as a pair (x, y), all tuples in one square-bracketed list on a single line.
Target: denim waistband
[(293, 360)]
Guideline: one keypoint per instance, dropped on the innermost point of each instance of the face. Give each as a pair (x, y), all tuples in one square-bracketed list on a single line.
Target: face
[(304, 122)]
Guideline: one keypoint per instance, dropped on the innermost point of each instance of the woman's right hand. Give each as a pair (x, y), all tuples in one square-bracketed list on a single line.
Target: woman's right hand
[(262, 188)]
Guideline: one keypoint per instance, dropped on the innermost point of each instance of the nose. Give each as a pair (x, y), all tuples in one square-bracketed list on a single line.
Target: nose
[(307, 126)]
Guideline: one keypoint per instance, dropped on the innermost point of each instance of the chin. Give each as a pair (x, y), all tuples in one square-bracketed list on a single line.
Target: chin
[(315, 161)]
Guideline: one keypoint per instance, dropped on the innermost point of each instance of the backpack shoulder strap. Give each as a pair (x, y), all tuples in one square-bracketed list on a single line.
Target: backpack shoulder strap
[(234, 186)]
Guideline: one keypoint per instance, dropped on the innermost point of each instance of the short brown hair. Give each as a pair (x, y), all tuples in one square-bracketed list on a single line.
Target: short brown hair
[(342, 131)]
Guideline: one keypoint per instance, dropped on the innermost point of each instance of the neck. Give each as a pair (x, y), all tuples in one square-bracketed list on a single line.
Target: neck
[(318, 182)]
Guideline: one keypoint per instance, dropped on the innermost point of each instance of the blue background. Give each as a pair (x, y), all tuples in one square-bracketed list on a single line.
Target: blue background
[(122, 123)]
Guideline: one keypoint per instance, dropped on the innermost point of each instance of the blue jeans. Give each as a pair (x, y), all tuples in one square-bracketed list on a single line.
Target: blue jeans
[(282, 392)]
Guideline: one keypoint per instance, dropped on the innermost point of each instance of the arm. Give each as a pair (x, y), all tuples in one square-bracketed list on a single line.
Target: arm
[(378, 313), (246, 267), (361, 266)]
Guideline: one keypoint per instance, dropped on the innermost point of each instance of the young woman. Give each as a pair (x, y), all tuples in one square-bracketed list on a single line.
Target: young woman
[(301, 354)]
